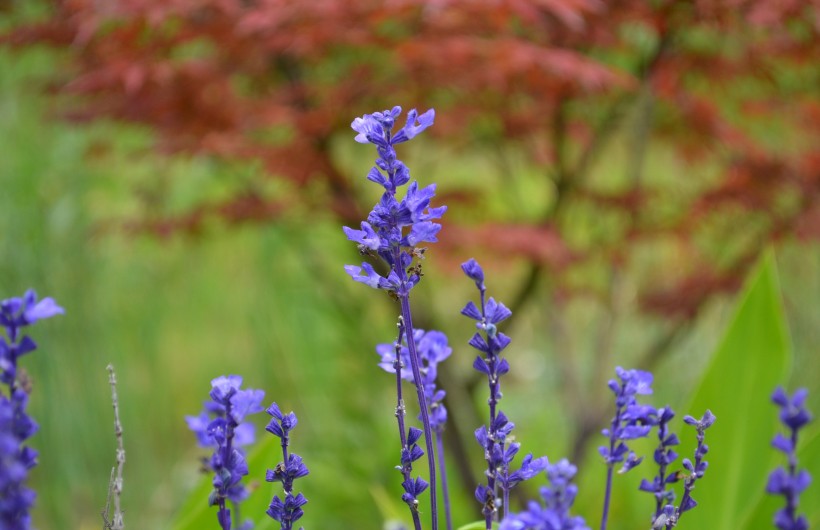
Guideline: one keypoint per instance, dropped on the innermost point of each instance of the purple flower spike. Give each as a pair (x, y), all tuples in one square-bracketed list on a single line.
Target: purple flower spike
[(664, 456), (669, 517), (553, 513), (499, 451), (221, 427), (632, 420), (16, 426), (790, 482), (394, 231), (289, 510)]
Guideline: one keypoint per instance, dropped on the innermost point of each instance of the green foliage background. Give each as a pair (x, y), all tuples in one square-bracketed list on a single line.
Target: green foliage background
[(272, 303)]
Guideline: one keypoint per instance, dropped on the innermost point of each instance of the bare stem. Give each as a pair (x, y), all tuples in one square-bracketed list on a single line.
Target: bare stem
[(116, 482)]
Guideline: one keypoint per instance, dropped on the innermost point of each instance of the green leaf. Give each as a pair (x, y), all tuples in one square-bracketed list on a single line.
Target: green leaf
[(751, 360)]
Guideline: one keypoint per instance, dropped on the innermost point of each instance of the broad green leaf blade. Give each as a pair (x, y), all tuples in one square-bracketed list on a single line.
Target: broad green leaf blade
[(751, 360)]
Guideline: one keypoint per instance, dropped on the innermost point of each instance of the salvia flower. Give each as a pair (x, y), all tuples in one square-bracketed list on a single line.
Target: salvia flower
[(17, 313), (631, 420), (221, 427), (288, 510), (694, 472), (393, 232), (432, 347), (395, 358), (394, 228), (16, 426), (790, 482), (664, 456), (553, 512), (494, 438)]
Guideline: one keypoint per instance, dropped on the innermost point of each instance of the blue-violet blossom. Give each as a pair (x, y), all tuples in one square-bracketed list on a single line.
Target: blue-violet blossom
[(220, 426), (393, 231), (494, 438), (553, 513), (432, 348), (289, 510), (664, 456), (16, 426), (631, 420), (790, 482)]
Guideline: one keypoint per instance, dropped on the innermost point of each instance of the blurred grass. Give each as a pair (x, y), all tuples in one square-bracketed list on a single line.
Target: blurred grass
[(268, 302)]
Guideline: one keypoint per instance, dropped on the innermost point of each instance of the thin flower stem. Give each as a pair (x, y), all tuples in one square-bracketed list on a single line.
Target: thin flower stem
[(425, 418), (117, 482), (443, 473), (607, 495), (400, 412)]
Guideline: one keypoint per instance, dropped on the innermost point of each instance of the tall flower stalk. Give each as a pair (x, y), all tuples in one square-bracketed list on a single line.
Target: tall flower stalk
[(288, 510), (495, 437), (790, 482), (433, 348), (16, 426), (393, 232), (695, 470), (664, 456), (631, 420), (221, 426)]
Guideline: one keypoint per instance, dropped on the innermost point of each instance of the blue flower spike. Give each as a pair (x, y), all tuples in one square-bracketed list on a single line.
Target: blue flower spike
[(790, 481), (16, 426), (288, 510), (222, 427), (394, 233)]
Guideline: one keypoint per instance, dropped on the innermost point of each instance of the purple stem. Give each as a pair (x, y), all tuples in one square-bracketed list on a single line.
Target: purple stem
[(606, 496), (425, 418), (397, 366), (443, 472), (610, 465)]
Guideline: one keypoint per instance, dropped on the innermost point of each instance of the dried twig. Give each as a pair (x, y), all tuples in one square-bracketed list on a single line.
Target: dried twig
[(115, 483)]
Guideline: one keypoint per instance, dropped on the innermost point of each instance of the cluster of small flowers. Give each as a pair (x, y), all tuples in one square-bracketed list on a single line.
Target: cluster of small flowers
[(633, 420), (553, 513), (288, 510), (15, 425), (392, 232), (221, 426), (495, 437), (432, 348), (792, 482)]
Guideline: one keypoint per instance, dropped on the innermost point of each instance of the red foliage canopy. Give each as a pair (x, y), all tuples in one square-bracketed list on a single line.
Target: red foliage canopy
[(727, 87)]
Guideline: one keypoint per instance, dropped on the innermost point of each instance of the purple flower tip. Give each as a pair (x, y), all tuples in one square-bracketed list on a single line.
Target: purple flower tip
[(473, 270)]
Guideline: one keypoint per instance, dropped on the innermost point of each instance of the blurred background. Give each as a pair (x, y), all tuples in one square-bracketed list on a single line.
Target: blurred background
[(175, 173)]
